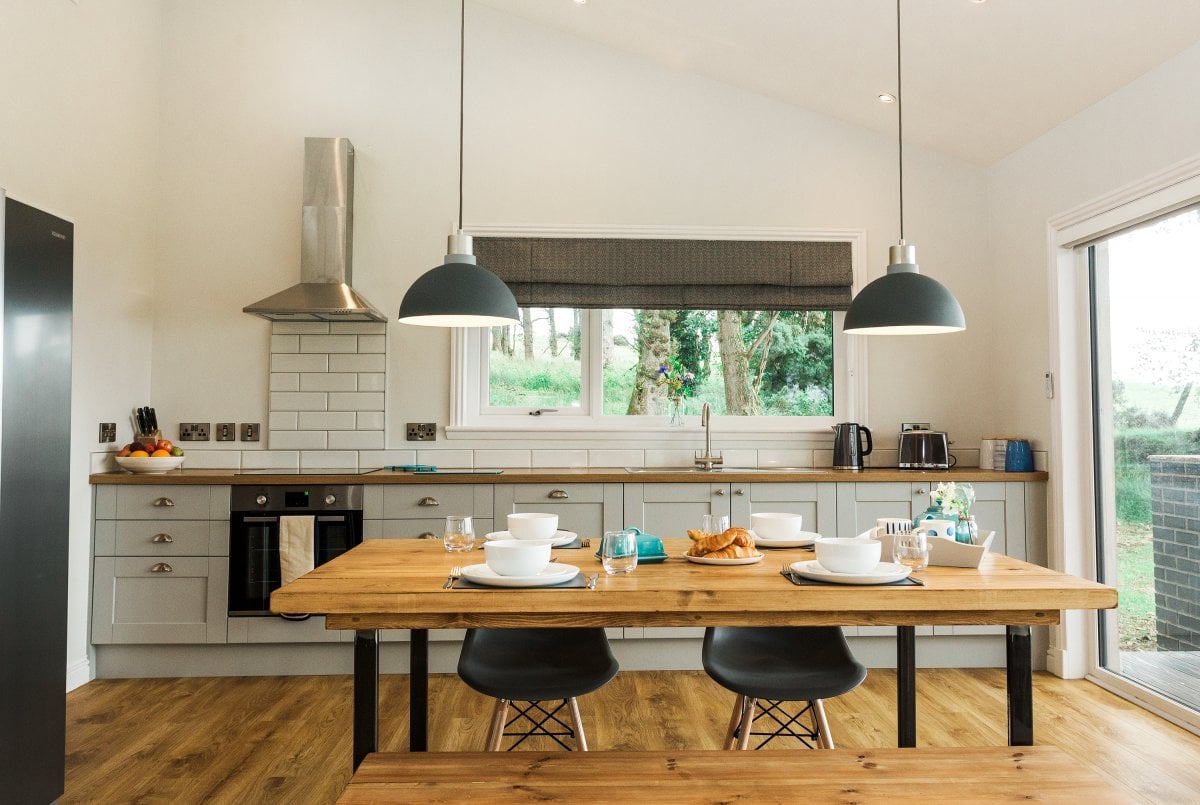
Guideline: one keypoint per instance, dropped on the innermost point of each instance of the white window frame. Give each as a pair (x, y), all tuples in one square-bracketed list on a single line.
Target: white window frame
[(1074, 644), (470, 418)]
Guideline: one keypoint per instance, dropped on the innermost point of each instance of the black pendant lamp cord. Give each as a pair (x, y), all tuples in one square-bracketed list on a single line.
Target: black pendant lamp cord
[(900, 120), (462, 70)]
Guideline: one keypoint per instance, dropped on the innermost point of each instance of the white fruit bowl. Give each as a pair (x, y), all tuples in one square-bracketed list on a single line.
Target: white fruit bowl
[(149, 464)]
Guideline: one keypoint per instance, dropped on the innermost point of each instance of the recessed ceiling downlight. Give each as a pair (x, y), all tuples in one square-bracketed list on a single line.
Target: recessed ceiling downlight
[(886, 97)]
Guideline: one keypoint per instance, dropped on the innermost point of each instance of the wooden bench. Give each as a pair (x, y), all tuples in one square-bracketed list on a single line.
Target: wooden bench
[(994, 774)]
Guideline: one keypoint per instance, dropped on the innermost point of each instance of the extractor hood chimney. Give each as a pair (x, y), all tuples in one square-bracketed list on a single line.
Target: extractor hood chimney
[(327, 234)]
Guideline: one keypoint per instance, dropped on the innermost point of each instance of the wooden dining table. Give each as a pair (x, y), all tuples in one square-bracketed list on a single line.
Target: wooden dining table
[(400, 584)]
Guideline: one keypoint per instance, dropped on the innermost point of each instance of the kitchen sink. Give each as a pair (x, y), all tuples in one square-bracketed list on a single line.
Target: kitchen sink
[(715, 470)]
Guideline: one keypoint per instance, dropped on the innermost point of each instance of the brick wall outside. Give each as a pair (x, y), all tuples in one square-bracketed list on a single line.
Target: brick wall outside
[(328, 386), (1175, 507)]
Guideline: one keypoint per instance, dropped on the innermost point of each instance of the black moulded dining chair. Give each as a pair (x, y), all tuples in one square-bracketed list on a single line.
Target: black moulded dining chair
[(532, 666), (769, 665)]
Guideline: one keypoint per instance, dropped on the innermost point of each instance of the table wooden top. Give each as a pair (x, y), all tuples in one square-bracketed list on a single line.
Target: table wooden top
[(397, 583), (974, 774)]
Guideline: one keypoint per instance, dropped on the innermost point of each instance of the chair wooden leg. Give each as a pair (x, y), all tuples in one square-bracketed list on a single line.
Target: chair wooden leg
[(496, 729), (580, 738), (821, 724), (747, 723), (735, 718)]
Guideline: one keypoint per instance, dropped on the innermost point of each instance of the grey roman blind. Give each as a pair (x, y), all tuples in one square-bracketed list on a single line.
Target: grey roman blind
[(667, 274)]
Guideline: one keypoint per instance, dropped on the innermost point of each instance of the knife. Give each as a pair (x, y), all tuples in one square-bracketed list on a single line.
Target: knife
[(153, 420)]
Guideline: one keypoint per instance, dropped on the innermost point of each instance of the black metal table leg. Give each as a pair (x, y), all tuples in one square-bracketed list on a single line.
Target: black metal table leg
[(366, 693), (418, 690), (906, 686), (1020, 686)]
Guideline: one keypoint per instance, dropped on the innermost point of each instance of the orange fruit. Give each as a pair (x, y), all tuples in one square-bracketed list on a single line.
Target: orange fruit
[(139, 454), (161, 454)]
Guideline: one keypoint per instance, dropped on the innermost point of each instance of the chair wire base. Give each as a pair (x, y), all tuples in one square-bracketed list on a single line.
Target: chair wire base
[(540, 721), (781, 723)]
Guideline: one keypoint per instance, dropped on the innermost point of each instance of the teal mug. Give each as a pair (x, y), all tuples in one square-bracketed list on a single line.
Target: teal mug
[(1018, 456)]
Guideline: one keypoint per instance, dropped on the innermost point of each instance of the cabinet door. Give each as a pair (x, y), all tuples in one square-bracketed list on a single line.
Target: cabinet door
[(859, 505), (154, 599), (817, 503), (418, 529), (669, 510), (170, 502), (162, 538), (273, 629), (587, 509)]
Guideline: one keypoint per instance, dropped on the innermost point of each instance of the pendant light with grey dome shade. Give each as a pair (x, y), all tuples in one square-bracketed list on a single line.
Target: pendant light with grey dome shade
[(903, 301), (459, 293)]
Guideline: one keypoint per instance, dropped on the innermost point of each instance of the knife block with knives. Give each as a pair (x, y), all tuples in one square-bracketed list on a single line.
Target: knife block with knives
[(145, 425)]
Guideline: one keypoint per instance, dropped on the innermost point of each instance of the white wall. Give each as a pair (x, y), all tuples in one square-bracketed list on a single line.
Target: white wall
[(1146, 126), (78, 138), (559, 131)]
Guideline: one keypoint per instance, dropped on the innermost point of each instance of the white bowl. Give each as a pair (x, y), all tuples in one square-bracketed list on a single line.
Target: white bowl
[(848, 554), (517, 557), (149, 464), (776, 525), (532, 525)]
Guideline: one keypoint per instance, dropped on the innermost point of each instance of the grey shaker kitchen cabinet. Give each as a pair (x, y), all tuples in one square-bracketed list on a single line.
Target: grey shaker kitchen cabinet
[(161, 567), (586, 509), (669, 510), (420, 510)]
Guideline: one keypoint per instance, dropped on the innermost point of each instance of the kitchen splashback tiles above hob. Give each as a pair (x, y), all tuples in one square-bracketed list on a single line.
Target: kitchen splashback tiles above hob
[(328, 387)]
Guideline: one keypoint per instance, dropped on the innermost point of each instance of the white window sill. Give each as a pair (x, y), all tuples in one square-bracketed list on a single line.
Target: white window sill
[(691, 431)]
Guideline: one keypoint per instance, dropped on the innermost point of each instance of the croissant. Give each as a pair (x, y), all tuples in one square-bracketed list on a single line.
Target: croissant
[(707, 543), (732, 551)]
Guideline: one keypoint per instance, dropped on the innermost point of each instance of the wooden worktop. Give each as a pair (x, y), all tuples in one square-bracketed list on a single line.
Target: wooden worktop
[(568, 475)]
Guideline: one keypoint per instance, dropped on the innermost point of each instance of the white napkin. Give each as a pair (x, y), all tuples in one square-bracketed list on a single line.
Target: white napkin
[(295, 547)]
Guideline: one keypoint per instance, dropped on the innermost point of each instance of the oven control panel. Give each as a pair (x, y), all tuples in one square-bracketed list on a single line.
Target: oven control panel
[(296, 499)]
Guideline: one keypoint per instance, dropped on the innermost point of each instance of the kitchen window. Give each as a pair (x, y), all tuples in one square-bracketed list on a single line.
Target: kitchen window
[(597, 368)]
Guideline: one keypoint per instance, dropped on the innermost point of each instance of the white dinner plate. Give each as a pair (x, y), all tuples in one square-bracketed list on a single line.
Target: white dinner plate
[(801, 540), (555, 573), (704, 560), (883, 573), (560, 537)]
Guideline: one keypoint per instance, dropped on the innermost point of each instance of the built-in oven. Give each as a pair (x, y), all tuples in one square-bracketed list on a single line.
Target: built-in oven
[(256, 518)]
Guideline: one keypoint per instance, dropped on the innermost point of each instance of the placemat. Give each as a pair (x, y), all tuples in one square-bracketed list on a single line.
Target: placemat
[(466, 584), (801, 581)]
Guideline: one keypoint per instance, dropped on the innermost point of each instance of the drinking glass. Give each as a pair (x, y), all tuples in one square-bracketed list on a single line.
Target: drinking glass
[(459, 534), (911, 549), (618, 551), (715, 523)]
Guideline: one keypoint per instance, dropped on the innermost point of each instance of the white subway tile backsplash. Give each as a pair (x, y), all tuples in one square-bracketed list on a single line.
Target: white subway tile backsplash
[(213, 460), (357, 363), (356, 440), (502, 458), (285, 381), (616, 458), (738, 457), (328, 460), (457, 459), (328, 343), (299, 363), (285, 343), (369, 420), (299, 440), (374, 459), (299, 401), (823, 458), (358, 327), (282, 420), (372, 343), (270, 460), (372, 381), (559, 458), (328, 381), (785, 458), (299, 327), (670, 458), (326, 420), (356, 401)]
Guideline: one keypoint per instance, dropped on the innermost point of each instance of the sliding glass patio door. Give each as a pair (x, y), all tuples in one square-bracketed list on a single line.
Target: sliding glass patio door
[(1145, 301)]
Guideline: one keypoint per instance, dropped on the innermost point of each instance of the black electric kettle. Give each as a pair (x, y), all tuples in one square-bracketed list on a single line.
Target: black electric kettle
[(848, 450)]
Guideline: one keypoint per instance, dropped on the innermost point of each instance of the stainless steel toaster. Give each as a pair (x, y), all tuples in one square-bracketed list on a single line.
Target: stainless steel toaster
[(925, 450)]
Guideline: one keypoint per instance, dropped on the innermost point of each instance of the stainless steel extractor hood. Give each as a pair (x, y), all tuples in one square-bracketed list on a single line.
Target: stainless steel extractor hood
[(327, 234)]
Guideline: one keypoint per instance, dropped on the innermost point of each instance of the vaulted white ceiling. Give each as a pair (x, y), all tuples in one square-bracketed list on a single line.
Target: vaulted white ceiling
[(980, 79)]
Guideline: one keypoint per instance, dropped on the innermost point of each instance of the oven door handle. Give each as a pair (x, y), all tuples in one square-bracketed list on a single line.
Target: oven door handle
[(331, 518), (259, 519)]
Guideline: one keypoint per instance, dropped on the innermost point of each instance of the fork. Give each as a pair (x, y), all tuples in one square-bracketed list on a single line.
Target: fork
[(455, 575)]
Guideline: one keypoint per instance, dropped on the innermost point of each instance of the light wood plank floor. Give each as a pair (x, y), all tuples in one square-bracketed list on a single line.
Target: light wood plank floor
[(287, 739)]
